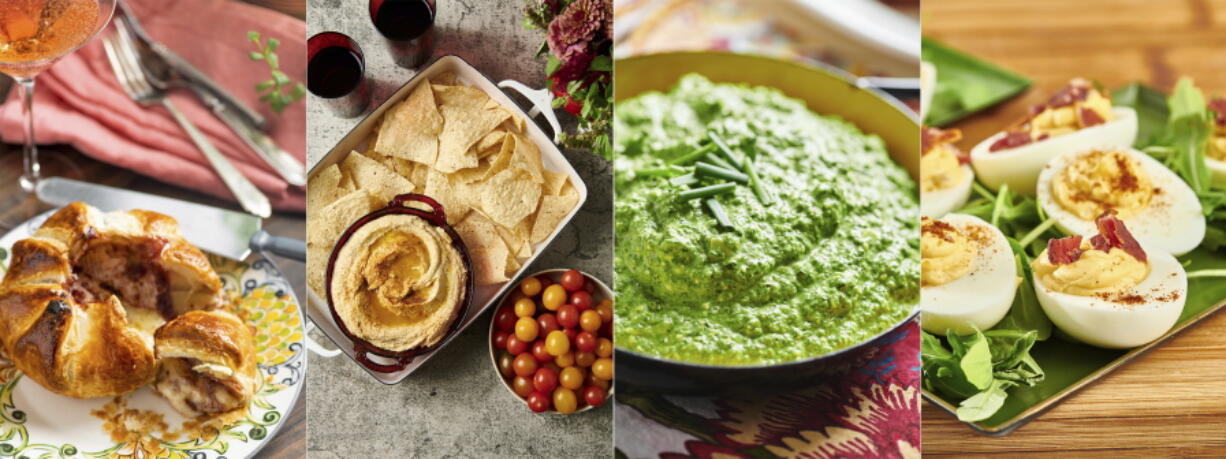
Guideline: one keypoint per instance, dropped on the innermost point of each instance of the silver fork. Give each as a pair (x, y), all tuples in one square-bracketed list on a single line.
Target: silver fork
[(134, 81)]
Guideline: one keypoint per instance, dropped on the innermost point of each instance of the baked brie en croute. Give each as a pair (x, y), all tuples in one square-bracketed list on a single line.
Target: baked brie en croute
[(85, 295), (207, 363)]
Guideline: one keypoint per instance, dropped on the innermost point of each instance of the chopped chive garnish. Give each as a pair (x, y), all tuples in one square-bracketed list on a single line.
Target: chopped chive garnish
[(708, 191), (760, 189), (733, 159), (721, 162), (693, 155), (717, 210), (1207, 273), (684, 180), (667, 171), (710, 170)]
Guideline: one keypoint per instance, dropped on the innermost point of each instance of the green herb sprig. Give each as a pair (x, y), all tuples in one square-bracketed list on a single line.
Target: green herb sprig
[(278, 91)]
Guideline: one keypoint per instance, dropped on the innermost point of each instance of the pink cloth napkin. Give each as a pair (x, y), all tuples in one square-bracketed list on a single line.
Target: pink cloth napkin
[(78, 101)]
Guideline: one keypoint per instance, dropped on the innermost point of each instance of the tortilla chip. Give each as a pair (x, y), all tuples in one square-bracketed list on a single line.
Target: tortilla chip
[(554, 182), (488, 251), (516, 239), (376, 178), (465, 121), (325, 226), (514, 124), (553, 210), (325, 187), (447, 78), (438, 186), (509, 196), (490, 141), (528, 157), (502, 160), (400, 166), (317, 267), (411, 129)]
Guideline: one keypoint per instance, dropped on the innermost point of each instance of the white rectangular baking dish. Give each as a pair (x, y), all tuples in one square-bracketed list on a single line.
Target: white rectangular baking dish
[(483, 296)]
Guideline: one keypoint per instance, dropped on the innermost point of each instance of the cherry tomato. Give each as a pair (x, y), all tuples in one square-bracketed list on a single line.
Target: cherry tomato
[(565, 360), (526, 329), (584, 359), (506, 364), (556, 343), (500, 339), (605, 308), (553, 297), (572, 280), (568, 316), (553, 366), (606, 329), (538, 351), (516, 346), (604, 347), (581, 300), (538, 402), (548, 322), (592, 380), (571, 334), (594, 395), (588, 320), (565, 401), (530, 286), (525, 307), (525, 365), (521, 386), (585, 341), (505, 318), (571, 378), (603, 368), (545, 379)]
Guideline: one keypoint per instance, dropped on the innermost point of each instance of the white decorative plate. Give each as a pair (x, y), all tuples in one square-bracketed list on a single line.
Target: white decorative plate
[(37, 423)]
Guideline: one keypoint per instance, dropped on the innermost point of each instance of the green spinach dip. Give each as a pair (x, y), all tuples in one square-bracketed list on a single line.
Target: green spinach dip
[(832, 261)]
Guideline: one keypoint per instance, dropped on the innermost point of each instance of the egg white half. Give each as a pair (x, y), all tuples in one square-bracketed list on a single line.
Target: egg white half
[(979, 299), (1102, 322), (935, 204), (1019, 167), (928, 86), (1172, 222)]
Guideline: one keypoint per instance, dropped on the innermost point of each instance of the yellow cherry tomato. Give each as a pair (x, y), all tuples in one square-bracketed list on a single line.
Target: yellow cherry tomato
[(525, 307), (526, 329), (554, 297), (571, 378), (603, 368), (530, 286), (589, 321), (565, 401), (604, 347), (565, 360), (605, 309), (556, 342)]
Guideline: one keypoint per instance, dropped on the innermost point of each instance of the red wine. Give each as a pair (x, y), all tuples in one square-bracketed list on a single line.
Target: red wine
[(334, 71), (402, 19)]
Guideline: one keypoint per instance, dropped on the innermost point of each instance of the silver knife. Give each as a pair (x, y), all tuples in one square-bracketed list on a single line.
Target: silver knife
[(222, 232)]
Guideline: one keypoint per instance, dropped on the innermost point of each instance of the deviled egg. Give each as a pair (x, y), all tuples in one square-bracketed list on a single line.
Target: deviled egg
[(967, 275), (1159, 207), (1078, 117), (945, 175), (1110, 290), (1215, 155)]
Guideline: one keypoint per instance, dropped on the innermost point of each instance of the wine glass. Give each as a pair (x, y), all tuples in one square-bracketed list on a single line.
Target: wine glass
[(34, 34)]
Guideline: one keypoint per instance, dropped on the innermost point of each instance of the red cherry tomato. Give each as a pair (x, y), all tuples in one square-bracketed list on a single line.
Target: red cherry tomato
[(545, 380), (540, 352), (582, 300), (594, 395), (571, 333), (525, 365), (585, 341), (539, 402), (568, 316), (500, 339), (572, 280), (521, 386), (506, 364), (548, 322), (505, 318), (516, 346)]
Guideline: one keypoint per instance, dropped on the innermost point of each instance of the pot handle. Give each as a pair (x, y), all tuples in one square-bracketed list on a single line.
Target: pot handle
[(360, 354), (542, 103), (401, 199)]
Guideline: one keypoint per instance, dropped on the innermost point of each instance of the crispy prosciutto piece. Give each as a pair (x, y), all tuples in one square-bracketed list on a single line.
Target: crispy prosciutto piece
[(1076, 90), (1218, 105), (1064, 250), (1012, 139), (1113, 234), (930, 137), (1089, 117)]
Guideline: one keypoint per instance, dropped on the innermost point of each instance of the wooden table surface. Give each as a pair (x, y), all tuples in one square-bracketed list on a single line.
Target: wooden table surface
[(1173, 400)]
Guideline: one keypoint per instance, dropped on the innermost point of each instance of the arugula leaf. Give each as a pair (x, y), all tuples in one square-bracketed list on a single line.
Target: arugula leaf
[(1151, 108), (1026, 314), (977, 363), (984, 404), (1188, 133)]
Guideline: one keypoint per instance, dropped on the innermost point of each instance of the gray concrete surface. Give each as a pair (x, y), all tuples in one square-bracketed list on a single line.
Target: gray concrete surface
[(454, 406)]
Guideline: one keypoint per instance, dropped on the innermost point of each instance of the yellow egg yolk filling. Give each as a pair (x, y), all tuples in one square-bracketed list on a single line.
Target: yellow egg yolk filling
[(1057, 121), (1217, 143), (1101, 181), (946, 254), (1095, 273), (940, 169)]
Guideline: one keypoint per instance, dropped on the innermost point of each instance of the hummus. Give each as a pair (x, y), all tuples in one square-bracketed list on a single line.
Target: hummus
[(1101, 181), (397, 283), (1095, 272)]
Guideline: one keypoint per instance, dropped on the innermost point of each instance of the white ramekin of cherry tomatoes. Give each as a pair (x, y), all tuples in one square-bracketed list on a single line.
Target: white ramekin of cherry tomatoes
[(551, 341)]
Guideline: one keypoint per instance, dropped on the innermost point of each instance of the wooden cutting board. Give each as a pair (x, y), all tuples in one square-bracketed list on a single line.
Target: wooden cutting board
[(1173, 400)]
